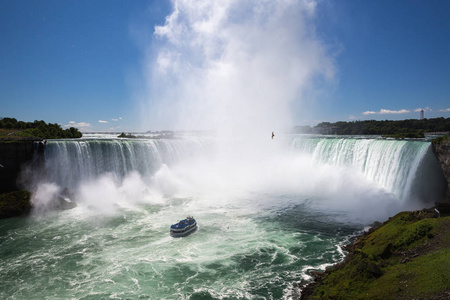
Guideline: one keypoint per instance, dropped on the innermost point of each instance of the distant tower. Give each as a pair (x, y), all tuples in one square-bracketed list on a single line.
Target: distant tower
[(421, 114)]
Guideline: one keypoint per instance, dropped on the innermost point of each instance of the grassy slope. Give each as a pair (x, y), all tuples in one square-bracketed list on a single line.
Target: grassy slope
[(407, 258), (14, 135), (8, 134)]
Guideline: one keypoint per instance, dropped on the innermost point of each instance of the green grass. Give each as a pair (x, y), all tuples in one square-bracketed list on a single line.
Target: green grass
[(440, 139), (9, 134), (408, 257), (415, 233), (349, 281), (402, 232), (420, 278), (377, 242)]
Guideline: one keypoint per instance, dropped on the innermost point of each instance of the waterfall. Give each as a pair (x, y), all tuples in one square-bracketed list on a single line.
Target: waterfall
[(68, 162), (407, 169), (396, 165)]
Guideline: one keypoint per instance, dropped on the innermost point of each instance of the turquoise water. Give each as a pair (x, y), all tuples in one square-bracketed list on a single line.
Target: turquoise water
[(239, 252), (266, 217)]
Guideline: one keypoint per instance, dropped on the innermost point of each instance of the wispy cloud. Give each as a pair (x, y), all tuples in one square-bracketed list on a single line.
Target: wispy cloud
[(101, 121), (352, 117), (393, 112), (80, 125), (116, 120), (445, 110), (367, 113), (386, 112), (424, 109)]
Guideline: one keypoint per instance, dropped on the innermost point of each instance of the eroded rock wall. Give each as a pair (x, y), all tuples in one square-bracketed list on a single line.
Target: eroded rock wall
[(13, 156), (442, 151)]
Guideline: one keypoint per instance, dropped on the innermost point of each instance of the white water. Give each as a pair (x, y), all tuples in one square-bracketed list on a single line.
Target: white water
[(265, 220), (392, 164), (347, 167)]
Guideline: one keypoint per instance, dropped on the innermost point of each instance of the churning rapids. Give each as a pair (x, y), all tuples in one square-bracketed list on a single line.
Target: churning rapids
[(268, 213)]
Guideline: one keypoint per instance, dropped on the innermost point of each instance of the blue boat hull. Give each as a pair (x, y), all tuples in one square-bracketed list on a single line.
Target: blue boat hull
[(184, 227), (183, 234)]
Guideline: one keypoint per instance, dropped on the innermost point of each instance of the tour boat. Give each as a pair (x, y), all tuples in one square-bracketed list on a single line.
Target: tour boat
[(184, 227)]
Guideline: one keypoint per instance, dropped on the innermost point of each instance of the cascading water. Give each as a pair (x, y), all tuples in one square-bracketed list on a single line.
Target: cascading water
[(71, 162), (265, 218), (392, 164)]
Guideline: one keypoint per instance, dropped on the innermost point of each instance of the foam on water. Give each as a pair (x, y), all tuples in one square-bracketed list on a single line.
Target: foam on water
[(265, 220), (236, 252)]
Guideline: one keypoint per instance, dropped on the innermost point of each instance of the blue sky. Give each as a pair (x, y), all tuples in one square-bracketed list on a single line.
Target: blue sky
[(91, 64)]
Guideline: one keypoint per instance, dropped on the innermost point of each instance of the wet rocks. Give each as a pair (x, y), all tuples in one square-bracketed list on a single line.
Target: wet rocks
[(14, 204)]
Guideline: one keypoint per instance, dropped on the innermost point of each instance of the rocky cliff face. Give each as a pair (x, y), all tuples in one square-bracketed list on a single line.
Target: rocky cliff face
[(442, 151), (14, 156)]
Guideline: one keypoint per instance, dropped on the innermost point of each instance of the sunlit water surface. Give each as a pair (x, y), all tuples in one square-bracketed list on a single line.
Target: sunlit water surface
[(264, 221), (240, 251)]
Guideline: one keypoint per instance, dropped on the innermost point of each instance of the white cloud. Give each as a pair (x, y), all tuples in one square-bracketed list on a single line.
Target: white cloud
[(445, 110), (352, 117), (116, 120), (366, 113), (424, 109), (395, 112), (80, 125), (101, 121), (386, 112)]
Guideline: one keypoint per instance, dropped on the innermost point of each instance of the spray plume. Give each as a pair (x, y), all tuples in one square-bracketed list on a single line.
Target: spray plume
[(239, 68), (236, 67)]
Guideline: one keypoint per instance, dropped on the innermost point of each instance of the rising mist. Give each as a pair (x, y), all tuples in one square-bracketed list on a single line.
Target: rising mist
[(236, 67)]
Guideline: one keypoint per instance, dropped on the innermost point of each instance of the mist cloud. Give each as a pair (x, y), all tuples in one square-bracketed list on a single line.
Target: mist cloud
[(233, 65)]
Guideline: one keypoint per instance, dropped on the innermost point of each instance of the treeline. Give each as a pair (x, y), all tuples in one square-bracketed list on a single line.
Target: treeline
[(39, 129), (403, 128)]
